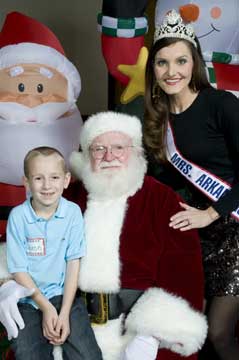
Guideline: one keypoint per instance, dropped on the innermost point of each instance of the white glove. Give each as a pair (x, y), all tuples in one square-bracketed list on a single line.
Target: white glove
[(141, 348), (10, 317)]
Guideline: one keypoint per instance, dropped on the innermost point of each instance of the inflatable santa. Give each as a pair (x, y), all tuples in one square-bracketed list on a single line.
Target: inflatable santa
[(39, 87), (38, 91)]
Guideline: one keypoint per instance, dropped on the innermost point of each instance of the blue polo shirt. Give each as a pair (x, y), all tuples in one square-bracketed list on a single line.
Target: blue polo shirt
[(42, 247)]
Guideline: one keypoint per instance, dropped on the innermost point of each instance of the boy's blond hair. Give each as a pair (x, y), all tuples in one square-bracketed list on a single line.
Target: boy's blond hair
[(45, 151)]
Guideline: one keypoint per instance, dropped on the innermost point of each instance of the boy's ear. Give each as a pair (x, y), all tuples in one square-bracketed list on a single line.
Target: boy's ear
[(67, 180), (25, 182)]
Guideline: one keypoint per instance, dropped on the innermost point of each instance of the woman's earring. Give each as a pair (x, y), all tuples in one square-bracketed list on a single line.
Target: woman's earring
[(156, 91)]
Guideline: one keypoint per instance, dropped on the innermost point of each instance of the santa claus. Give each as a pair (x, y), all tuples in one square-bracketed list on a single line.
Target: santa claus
[(147, 277)]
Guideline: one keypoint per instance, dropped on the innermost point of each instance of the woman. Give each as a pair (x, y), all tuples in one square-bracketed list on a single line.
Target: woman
[(196, 128)]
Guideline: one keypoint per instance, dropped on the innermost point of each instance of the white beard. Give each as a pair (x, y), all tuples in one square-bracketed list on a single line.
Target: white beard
[(109, 184), (18, 134), (43, 114)]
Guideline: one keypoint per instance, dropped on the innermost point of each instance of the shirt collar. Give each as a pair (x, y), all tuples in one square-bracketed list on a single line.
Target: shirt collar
[(32, 217)]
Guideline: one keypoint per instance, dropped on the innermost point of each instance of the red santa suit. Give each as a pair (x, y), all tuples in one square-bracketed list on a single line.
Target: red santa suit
[(130, 245)]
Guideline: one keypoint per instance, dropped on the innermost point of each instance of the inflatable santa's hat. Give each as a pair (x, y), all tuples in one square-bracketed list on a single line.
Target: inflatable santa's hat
[(24, 40)]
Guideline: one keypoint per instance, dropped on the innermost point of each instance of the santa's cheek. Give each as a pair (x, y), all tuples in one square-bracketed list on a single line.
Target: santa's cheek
[(29, 100), (216, 12), (8, 97), (53, 98)]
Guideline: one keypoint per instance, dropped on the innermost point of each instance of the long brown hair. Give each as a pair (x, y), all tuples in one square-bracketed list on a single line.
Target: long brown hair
[(157, 106)]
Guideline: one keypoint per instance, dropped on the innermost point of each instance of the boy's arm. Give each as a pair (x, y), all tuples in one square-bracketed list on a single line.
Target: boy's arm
[(24, 279), (18, 264), (70, 287), (49, 312), (75, 250), (71, 284)]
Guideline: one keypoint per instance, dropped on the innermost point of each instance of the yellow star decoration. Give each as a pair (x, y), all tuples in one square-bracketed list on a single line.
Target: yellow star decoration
[(136, 73)]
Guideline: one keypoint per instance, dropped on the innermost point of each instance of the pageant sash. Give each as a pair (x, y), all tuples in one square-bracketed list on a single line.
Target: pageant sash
[(209, 184)]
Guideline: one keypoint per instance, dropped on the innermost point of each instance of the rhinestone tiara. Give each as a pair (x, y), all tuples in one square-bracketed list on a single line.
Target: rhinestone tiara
[(173, 27)]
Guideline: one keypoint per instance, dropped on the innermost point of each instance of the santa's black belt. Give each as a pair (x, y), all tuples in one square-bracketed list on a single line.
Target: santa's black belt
[(103, 307)]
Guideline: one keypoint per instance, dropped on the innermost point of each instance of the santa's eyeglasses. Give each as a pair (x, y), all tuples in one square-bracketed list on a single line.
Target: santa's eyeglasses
[(98, 152)]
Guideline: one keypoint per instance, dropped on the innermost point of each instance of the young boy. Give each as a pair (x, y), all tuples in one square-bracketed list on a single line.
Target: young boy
[(45, 239)]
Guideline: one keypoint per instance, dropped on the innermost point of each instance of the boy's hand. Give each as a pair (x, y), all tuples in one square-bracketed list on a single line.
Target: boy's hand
[(49, 322), (62, 328)]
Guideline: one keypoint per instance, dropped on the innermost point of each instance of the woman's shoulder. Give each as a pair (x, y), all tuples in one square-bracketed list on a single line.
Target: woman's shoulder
[(217, 95), (219, 101)]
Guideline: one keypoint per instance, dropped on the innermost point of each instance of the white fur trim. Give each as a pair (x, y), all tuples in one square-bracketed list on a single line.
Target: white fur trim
[(57, 352), (31, 53), (100, 268), (110, 121), (110, 340), (16, 70), (170, 319), (4, 274), (76, 160), (46, 72)]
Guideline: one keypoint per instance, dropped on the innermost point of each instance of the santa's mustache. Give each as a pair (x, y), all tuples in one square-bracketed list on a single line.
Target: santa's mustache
[(43, 114), (107, 164)]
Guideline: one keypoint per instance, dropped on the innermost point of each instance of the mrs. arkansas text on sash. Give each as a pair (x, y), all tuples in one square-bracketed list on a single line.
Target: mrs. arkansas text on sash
[(206, 182)]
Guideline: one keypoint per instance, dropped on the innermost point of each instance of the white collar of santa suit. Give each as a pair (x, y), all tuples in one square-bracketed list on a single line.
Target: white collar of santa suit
[(100, 267)]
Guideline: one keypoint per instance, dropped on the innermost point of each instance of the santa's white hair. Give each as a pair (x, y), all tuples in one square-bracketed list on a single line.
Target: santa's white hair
[(110, 183), (107, 121)]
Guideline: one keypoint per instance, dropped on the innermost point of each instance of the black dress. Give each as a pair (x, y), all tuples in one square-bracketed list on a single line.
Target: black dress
[(207, 133)]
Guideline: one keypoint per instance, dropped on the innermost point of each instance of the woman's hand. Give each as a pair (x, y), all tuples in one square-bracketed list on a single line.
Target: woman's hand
[(192, 218)]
